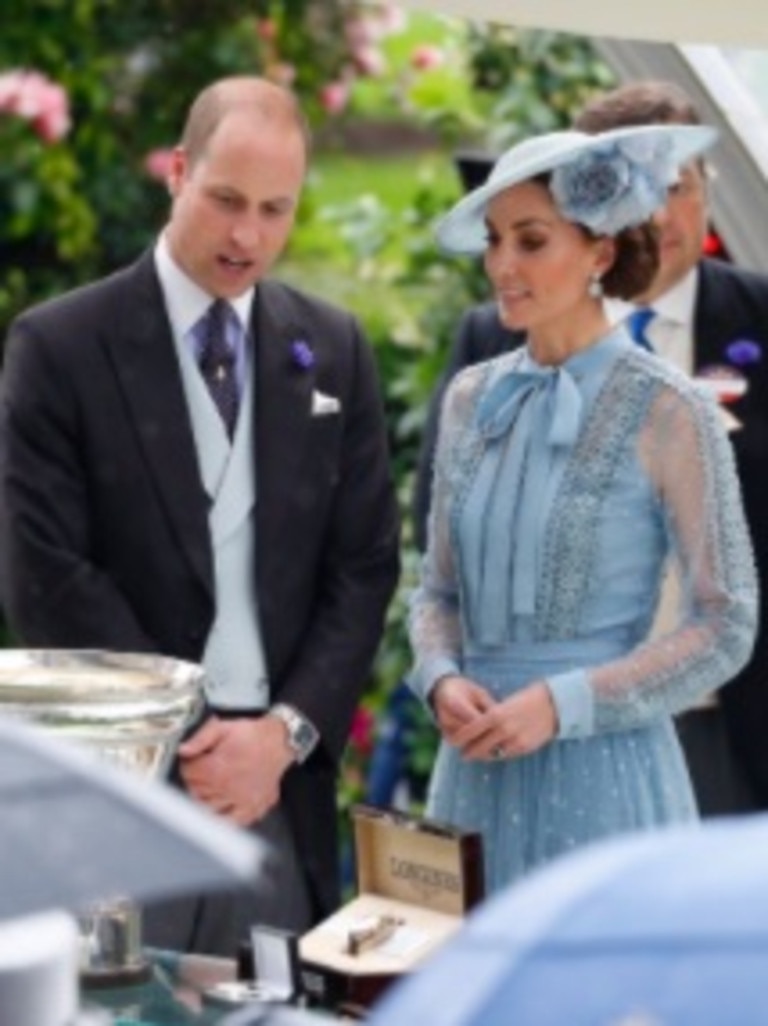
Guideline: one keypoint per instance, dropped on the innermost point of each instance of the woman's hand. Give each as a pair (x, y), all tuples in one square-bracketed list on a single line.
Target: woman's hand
[(457, 701), (516, 726)]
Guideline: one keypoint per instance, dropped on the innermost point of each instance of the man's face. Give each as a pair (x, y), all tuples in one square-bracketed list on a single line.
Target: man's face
[(683, 225), (233, 209)]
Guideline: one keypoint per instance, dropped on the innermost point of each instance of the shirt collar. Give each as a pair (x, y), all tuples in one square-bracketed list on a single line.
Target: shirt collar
[(676, 304), (185, 301)]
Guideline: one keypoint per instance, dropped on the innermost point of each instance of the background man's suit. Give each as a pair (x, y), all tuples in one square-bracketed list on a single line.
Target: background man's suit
[(121, 558), (731, 304)]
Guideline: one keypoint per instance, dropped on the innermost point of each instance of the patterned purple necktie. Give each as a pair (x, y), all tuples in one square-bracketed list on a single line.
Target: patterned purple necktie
[(217, 362)]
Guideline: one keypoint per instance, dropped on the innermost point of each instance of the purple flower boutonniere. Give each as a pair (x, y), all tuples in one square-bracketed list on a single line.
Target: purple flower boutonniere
[(302, 355), (743, 352)]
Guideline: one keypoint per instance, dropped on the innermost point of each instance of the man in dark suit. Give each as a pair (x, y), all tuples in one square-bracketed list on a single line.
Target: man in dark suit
[(248, 522), (703, 309)]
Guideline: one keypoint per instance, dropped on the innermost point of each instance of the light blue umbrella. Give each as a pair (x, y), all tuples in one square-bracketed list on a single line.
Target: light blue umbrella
[(74, 829), (661, 929)]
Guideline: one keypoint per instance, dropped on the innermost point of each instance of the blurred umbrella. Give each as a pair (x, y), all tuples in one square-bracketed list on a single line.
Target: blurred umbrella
[(74, 829), (738, 22), (654, 930)]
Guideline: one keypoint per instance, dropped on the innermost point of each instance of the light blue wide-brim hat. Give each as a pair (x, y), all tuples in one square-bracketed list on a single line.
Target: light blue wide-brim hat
[(606, 181)]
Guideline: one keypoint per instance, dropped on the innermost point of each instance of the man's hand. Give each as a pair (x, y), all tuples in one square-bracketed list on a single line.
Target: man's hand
[(235, 766)]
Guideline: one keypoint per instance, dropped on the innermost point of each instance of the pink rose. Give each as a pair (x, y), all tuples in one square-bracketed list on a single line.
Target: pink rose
[(425, 57), (334, 97), (360, 32), (391, 18), (35, 98), (158, 163), (369, 61), (266, 29)]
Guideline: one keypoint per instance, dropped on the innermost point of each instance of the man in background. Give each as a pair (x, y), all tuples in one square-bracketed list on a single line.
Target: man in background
[(193, 462)]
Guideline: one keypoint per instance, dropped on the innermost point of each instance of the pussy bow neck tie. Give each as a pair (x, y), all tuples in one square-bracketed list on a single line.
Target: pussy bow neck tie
[(551, 387), (528, 418)]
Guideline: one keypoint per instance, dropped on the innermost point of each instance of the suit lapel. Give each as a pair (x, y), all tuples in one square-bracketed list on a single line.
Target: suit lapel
[(713, 319), (724, 315), (283, 399), (142, 352)]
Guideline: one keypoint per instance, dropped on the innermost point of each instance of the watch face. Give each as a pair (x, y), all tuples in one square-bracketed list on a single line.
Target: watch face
[(303, 735)]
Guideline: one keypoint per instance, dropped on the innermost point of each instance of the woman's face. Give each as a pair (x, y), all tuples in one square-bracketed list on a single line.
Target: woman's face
[(539, 264)]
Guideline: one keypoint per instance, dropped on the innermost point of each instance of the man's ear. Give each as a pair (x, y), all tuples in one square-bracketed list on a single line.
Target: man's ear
[(178, 170)]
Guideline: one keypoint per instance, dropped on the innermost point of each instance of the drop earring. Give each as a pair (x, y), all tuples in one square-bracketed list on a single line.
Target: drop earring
[(595, 287)]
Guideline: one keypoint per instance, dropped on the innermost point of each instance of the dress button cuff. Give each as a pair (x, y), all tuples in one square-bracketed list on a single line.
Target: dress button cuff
[(423, 678), (574, 703)]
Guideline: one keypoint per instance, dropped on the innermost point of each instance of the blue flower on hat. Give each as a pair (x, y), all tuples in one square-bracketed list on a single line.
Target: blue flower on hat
[(612, 187), (743, 352), (301, 354)]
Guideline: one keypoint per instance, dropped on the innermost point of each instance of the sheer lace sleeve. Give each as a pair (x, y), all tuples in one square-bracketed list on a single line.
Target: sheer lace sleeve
[(689, 459), (434, 622)]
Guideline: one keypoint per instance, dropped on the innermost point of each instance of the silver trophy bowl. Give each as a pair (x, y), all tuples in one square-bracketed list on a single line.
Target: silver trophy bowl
[(132, 709)]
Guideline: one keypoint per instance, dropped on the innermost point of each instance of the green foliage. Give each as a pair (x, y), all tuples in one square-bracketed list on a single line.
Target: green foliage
[(533, 81)]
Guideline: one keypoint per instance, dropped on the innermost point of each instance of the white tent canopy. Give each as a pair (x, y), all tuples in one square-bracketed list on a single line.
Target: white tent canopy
[(735, 22)]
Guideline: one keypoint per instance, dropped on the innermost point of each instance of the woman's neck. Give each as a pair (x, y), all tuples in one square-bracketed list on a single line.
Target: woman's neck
[(552, 344)]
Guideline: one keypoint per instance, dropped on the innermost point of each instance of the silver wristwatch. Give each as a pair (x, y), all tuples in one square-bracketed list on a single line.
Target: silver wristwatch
[(302, 736)]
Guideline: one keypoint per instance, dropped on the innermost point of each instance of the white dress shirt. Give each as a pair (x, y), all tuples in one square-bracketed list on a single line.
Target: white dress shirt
[(671, 330)]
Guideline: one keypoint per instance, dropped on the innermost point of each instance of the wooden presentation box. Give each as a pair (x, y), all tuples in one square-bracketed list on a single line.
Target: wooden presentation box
[(416, 879)]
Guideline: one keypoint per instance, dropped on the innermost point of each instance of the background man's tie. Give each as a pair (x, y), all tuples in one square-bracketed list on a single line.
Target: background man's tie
[(217, 362), (637, 324)]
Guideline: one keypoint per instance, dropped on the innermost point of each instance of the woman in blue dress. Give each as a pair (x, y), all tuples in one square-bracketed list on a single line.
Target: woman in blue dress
[(567, 474)]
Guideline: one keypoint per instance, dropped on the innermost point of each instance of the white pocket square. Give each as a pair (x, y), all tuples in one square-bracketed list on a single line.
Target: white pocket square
[(323, 404)]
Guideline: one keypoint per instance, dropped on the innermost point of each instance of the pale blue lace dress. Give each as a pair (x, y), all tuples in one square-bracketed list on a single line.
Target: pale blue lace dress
[(559, 494)]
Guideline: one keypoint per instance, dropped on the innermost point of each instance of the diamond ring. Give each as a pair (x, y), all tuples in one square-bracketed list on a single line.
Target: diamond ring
[(498, 751)]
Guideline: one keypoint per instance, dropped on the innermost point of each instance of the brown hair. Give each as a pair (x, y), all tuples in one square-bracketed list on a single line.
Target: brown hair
[(638, 103), (636, 259), (255, 95), (635, 264)]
